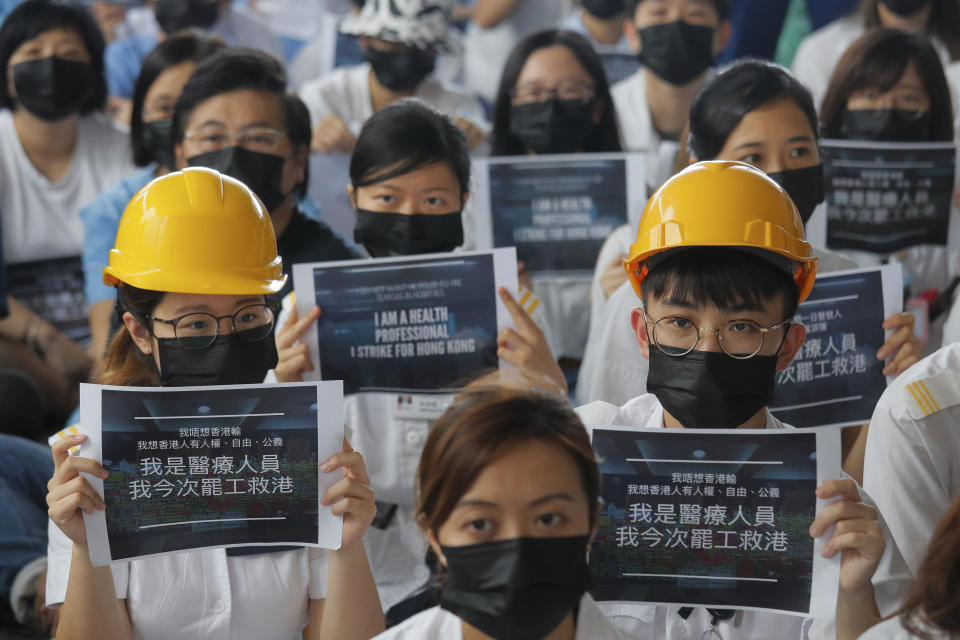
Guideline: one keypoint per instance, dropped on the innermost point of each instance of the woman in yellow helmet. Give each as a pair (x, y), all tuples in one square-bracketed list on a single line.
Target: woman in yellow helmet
[(195, 265)]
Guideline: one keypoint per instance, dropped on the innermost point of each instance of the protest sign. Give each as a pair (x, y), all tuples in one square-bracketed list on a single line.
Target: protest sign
[(53, 289), (557, 210), (197, 467), (714, 518), (408, 324), (835, 378), (887, 196)]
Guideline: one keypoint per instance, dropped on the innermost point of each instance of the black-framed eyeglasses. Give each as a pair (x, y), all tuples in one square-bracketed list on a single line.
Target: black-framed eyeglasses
[(199, 330), (677, 336)]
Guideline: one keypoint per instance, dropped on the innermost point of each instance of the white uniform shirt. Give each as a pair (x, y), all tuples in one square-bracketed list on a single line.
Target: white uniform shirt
[(440, 624), (41, 219), (892, 629), (207, 594), (912, 464), (614, 369), (345, 93), (637, 130), (663, 622), (486, 50)]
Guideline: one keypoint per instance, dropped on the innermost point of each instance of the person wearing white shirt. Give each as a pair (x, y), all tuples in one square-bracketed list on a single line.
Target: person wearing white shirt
[(677, 41), (755, 112), (508, 497), (818, 53), (56, 155), (715, 327), (410, 176)]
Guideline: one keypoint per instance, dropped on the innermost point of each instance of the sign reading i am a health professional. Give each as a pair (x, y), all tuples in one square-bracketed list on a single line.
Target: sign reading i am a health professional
[(835, 378), (420, 323), (557, 210), (887, 196), (200, 467), (714, 518)]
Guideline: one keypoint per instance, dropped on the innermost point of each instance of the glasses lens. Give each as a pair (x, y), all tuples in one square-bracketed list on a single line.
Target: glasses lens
[(741, 339), (674, 335), (253, 323), (264, 140)]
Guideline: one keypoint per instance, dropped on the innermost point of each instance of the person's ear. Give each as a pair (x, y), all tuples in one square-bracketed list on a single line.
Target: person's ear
[(141, 336), (721, 36), (435, 545), (630, 33), (693, 159), (598, 108), (179, 156), (792, 343), (639, 323), (352, 195), (301, 157)]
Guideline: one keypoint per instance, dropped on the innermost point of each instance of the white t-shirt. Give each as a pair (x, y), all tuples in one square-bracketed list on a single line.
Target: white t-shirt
[(912, 463), (488, 49), (440, 624), (41, 219), (207, 594), (346, 93)]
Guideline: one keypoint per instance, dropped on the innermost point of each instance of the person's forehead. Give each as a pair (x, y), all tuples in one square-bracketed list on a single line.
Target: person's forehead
[(56, 37), (240, 108), (526, 472), (552, 64)]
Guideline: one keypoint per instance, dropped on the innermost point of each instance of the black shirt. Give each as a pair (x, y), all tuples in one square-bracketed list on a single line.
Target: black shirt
[(309, 240)]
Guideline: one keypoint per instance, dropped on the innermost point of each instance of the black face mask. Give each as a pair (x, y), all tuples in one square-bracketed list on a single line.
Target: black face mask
[(890, 125), (400, 71), (709, 389), (398, 234), (805, 187), (519, 589), (229, 360), (262, 172), (603, 8), (904, 7), (158, 139), (178, 15), (52, 88), (552, 126), (677, 51)]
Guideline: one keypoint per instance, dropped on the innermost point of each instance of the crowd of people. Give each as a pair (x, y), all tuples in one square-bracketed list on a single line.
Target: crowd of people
[(172, 159)]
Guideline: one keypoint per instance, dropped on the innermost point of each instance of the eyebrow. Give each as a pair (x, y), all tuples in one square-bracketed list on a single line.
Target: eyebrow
[(206, 308), (746, 145), (739, 307), (539, 501)]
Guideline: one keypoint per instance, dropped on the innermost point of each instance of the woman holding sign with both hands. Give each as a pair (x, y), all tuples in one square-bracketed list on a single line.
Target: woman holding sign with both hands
[(196, 267)]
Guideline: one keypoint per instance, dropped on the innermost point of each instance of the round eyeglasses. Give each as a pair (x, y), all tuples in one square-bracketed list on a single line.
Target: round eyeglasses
[(199, 330), (741, 339)]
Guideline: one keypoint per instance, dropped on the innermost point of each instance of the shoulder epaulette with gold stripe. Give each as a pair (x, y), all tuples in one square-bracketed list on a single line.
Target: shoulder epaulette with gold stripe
[(929, 395)]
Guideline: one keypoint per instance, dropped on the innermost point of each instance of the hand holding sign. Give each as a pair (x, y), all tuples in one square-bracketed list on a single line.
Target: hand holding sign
[(69, 492), (856, 532), (352, 496), (293, 355), (526, 348), (903, 344)]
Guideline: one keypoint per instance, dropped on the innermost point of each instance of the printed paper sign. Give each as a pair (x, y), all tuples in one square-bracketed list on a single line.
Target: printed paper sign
[(885, 196), (423, 323), (53, 289), (835, 378), (557, 210), (197, 467), (714, 518)]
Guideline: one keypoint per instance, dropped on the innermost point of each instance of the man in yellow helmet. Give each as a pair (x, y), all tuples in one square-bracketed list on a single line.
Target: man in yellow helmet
[(721, 264), (196, 266)]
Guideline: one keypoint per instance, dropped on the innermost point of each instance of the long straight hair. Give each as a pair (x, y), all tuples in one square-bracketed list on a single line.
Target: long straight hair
[(125, 364)]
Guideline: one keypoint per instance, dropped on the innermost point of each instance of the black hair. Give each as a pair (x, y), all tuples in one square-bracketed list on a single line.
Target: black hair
[(744, 86), (725, 277), (406, 136), (239, 68), (605, 135), (877, 60), (944, 22), (172, 51), (32, 18), (723, 11)]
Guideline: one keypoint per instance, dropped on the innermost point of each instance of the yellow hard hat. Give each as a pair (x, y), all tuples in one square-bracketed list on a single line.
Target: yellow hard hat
[(723, 204), (196, 231)]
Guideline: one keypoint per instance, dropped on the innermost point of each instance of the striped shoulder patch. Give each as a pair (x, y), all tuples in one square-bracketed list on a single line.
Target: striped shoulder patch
[(72, 430), (929, 395), (528, 300)]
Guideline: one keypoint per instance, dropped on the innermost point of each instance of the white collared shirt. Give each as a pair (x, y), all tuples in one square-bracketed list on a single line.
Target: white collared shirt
[(440, 624), (207, 594)]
